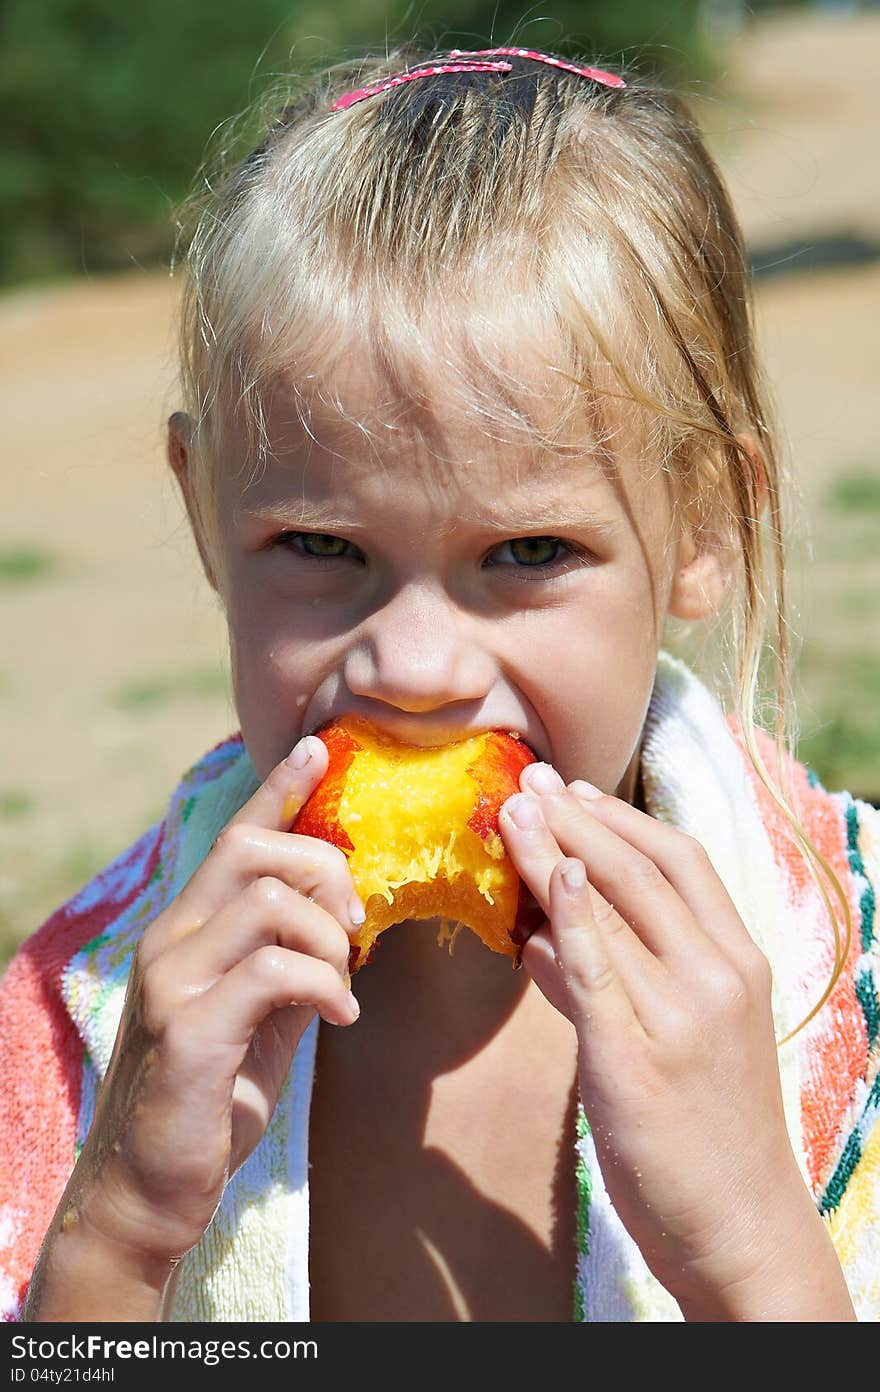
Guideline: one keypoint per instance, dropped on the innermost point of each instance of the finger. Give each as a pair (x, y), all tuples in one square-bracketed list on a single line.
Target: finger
[(255, 842), (536, 853), (600, 1004), (530, 844), (540, 961), (245, 852), (222, 1020), (279, 798), (628, 878), (315, 868), (267, 913), (683, 862)]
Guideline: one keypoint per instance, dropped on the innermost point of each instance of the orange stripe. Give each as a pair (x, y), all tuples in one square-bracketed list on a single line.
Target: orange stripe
[(41, 1083), (42, 1054), (834, 1045)]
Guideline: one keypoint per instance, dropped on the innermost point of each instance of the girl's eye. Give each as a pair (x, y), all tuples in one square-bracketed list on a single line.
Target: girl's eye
[(320, 545), (540, 553)]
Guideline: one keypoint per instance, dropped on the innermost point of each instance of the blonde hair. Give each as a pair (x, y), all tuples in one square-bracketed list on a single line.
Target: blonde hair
[(429, 219)]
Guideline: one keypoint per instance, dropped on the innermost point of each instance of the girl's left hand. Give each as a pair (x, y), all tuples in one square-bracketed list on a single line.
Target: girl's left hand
[(670, 998)]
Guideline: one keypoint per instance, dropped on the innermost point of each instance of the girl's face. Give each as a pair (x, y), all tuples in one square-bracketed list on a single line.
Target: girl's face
[(445, 588)]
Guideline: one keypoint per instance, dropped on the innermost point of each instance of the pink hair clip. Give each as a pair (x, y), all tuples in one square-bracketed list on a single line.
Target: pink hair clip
[(398, 79), (607, 79), (477, 60)]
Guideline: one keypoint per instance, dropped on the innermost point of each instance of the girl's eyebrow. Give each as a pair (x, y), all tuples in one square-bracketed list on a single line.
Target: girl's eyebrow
[(327, 517)]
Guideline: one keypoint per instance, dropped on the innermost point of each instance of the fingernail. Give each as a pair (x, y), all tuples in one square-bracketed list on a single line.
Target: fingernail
[(574, 876), (352, 1000), (582, 789), (356, 911), (301, 753), (524, 811), (543, 778)]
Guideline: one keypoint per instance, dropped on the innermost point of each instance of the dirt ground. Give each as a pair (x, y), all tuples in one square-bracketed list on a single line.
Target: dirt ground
[(113, 675)]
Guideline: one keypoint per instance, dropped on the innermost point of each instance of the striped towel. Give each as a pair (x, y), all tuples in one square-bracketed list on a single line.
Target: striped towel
[(62, 994)]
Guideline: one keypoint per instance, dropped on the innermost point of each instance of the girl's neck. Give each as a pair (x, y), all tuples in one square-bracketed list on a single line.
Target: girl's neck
[(441, 1020)]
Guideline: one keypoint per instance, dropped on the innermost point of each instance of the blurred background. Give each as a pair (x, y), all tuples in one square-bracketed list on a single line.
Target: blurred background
[(113, 674)]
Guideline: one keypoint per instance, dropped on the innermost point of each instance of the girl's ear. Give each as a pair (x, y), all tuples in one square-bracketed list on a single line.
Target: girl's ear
[(178, 452), (700, 580), (708, 555)]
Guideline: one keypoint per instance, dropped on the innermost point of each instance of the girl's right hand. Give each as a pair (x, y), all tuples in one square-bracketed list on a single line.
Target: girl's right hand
[(223, 984)]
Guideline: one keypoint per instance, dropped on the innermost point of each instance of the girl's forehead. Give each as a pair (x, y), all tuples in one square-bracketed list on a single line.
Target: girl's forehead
[(353, 431), (347, 445), (442, 405), (464, 400)]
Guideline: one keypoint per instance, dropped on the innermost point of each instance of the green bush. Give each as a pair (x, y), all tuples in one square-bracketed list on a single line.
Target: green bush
[(106, 109)]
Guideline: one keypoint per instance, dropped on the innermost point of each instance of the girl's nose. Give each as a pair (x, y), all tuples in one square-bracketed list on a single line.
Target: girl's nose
[(418, 653)]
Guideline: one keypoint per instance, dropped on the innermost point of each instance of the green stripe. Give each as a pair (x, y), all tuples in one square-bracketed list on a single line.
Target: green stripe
[(93, 945), (582, 1218), (866, 995), (867, 901), (852, 1154)]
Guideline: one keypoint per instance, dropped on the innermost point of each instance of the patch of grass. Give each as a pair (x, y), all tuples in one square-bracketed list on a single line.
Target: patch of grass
[(844, 755), (856, 492), (15, 802), (142, 695), (22, 565), (152, 693), (843, 747), (855, 676)]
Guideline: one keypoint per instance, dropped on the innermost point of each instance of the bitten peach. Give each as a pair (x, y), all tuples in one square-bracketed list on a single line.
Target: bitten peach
[(420, 829)]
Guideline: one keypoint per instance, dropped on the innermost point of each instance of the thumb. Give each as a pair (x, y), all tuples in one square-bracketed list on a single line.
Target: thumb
[(277, 801)]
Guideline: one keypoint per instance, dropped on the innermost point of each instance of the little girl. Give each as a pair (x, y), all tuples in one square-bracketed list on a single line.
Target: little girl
[(471, 411)]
